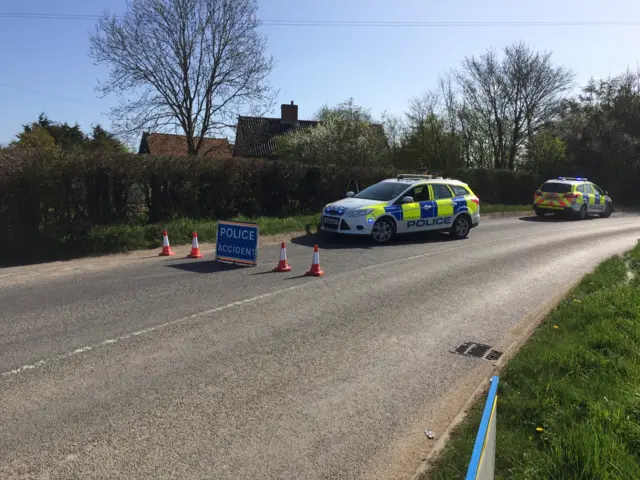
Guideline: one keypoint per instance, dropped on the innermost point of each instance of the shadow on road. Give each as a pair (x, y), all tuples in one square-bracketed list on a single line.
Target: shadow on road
[(209, 266), (552, 219), (327, 241), (298, 276)]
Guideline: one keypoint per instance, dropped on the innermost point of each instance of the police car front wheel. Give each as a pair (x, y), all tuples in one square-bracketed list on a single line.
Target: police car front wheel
[(461, 227), (607, 212), (383, 230)]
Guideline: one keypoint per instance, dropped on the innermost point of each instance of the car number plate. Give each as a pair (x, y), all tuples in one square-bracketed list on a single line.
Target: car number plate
[(331, 221)]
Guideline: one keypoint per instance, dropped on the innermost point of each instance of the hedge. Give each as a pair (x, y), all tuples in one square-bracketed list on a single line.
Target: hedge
[(50, 202)]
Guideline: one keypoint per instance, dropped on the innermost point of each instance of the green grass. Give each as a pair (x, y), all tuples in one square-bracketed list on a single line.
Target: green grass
[(578, 378), (120, 238), (53, 245), (499, 208)]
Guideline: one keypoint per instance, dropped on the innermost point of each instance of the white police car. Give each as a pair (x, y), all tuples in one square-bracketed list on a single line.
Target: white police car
[(408, 203)]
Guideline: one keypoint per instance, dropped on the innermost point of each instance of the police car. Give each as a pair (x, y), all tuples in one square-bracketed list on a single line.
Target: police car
[(408, 203), (573, 195)]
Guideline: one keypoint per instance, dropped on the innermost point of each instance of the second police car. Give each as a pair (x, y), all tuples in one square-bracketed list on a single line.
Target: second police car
[(408, 203), (573, 195)]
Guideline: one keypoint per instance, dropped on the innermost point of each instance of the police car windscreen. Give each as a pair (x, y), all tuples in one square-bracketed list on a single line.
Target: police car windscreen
[(556, 187), (382, 192)]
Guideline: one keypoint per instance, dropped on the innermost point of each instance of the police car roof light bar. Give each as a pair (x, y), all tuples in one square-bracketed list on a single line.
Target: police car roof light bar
[(579, 179), (413, 175)]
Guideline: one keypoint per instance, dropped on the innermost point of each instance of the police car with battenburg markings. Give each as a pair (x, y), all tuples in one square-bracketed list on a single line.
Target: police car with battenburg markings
[(572, 195), (406, 204)]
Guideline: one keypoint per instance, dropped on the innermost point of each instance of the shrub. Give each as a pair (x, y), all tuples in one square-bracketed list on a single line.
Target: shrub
[(51, 201)]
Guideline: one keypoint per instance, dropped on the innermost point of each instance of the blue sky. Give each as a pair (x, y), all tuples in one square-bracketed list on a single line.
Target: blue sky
[(380, 67)]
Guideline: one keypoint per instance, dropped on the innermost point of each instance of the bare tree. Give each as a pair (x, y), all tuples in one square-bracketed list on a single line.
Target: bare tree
[(395, 130), (187, 65), (514, 97), (446, 86), (422, 107)]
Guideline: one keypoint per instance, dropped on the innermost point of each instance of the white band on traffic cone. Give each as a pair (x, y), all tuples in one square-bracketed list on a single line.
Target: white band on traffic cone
[(194, 243), (283, 254), (316, 258), (165, 241)]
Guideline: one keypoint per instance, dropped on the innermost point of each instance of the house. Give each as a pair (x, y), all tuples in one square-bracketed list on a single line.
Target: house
[(255, 136), (165, 144)]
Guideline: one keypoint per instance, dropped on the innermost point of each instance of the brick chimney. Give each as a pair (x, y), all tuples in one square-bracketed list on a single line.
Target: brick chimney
[(289, 113)]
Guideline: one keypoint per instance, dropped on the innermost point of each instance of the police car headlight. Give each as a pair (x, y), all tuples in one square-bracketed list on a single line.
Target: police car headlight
[(359, 213)]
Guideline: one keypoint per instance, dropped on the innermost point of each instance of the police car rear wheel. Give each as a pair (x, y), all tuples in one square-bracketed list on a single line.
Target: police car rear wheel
[(583, 213), (461, 227), (382, 231), (540, 213)]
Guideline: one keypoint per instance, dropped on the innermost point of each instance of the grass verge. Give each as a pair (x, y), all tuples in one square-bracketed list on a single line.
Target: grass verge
[(119, 238), (569, 401), (500, 208), (53, 245)]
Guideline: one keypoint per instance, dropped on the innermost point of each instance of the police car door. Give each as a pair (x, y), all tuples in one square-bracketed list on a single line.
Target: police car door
[(443, 198), (591, 206), (600, 198), (415, 216)]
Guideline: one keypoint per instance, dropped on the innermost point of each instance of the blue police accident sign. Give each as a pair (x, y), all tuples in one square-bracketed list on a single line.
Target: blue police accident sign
[(237, 242)]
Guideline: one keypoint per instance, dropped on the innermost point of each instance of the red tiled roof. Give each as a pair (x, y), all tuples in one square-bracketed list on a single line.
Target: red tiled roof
[(164, 144)]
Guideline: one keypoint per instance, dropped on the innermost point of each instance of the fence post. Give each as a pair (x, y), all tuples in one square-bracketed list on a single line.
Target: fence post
[(481, 466)]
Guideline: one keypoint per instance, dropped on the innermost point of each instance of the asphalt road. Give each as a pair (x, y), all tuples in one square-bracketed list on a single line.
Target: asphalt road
[(182, 369)]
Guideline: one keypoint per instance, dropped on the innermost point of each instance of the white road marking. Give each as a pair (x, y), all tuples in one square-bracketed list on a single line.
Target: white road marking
[(144, 331)]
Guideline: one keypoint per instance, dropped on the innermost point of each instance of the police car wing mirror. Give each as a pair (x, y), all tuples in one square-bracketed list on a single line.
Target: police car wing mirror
[(606, 192), (407, 199), (350, 194)]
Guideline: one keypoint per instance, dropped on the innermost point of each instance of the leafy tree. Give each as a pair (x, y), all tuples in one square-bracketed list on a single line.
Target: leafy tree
[(67, 137), (103, 141), (35, 136), (602, 131), (547, 155), (345, 136), (191, 65), (46, 134), (346, 111)]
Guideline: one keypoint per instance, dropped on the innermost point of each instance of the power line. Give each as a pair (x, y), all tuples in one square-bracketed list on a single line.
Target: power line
[(49, 16), (36, 92), (353, 23), (318, 23)]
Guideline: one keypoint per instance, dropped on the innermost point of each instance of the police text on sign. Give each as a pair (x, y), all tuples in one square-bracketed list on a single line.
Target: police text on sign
[(237, 242)]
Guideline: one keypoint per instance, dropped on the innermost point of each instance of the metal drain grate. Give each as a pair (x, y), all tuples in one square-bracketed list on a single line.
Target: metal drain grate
[(462, 348), (493, 355), (478, 350)]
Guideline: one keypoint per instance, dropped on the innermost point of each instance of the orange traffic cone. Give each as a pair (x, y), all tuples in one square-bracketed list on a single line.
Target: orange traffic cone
[(166, 249), (195, 249), (283, 266), (315, 270)]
